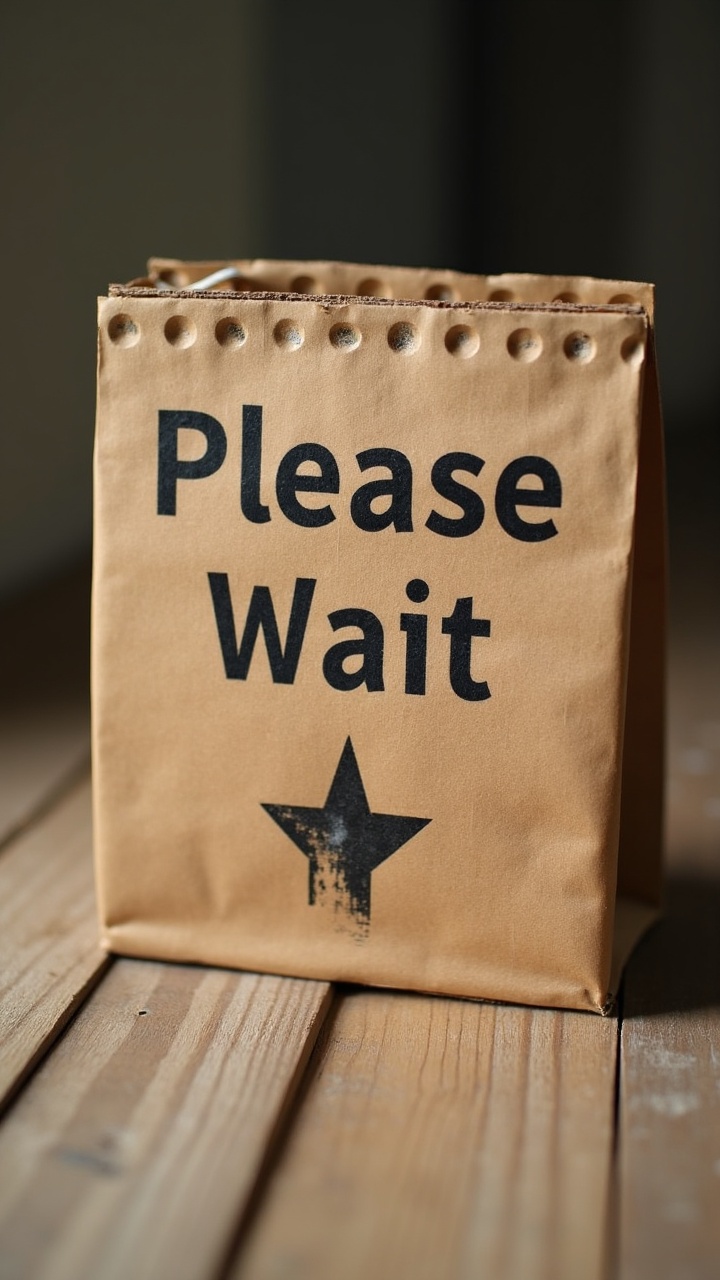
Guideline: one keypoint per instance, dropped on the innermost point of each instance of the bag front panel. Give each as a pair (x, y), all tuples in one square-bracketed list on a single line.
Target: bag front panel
[(466, 841)]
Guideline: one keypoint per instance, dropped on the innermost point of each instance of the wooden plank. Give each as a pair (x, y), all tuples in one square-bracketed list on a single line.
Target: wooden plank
[(443, 1137), (133, 1150), (669, 1118), (49, 954), (44, 720), (670, 1096)]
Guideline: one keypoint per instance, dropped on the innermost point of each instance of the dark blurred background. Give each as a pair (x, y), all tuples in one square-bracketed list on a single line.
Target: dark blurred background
[(540, 135)]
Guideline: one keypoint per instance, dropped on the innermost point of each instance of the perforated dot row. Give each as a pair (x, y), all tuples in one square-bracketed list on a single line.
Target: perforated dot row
[(461, 341), (376, 287)]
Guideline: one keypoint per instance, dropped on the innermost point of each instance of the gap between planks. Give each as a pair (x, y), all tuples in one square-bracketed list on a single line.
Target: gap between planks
[(49, 957), (136, 1146), (444, 1137), (49, 953), (431, 1128)]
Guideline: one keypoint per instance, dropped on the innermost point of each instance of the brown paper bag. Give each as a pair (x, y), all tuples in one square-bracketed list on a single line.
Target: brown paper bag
[(379, 625)]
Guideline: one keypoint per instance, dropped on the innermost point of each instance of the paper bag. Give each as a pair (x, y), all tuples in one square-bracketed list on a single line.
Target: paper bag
[(378, 626)]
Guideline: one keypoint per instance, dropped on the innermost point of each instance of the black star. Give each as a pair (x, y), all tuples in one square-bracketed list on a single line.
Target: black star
[(344, 841)]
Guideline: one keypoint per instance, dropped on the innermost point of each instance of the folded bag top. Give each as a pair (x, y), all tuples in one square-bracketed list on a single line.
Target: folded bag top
[(378, 625)]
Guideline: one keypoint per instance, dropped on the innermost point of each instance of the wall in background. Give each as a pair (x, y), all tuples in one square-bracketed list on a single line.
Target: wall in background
[(471, 133), (122, 133), (674, 227), (360, 163), (603, 157)]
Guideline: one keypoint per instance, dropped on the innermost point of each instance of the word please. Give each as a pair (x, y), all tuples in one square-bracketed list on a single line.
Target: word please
[(385, 502)]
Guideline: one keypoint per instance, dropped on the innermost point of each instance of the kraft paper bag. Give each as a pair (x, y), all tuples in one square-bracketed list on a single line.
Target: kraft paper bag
[(379, 626)]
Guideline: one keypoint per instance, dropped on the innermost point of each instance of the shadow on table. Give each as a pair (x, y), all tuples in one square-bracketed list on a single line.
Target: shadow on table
[(676, 967)]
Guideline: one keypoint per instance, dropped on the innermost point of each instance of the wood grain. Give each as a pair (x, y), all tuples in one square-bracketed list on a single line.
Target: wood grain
[(434, 1139), (669, 1117), (670, 1147), (49, 955), (445, 1138), (135, 1147), (44, 720)]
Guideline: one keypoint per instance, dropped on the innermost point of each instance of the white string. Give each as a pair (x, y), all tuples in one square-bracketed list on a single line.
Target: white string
[(216, 277)]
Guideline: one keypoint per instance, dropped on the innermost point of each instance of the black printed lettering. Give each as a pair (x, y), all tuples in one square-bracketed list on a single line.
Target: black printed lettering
[(509, 496), (171, 468), (261, 616)]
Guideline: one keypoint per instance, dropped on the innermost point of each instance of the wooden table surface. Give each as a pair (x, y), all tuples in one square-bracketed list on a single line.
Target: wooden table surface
[(190, 1123)]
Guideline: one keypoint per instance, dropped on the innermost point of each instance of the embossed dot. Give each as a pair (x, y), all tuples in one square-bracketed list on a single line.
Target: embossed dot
[(404, 338), (623, 299), (441, 293), (462, 341), (579, 347), (568, 296), (230, 333), (501, 295), (371, 287), (306, 284), (633, 351), (180, 332), (345, 337), (123, 331), (524, 345), (288, 335)]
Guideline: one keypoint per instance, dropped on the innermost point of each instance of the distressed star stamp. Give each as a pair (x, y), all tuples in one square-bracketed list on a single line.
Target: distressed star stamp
[(344, 841)]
